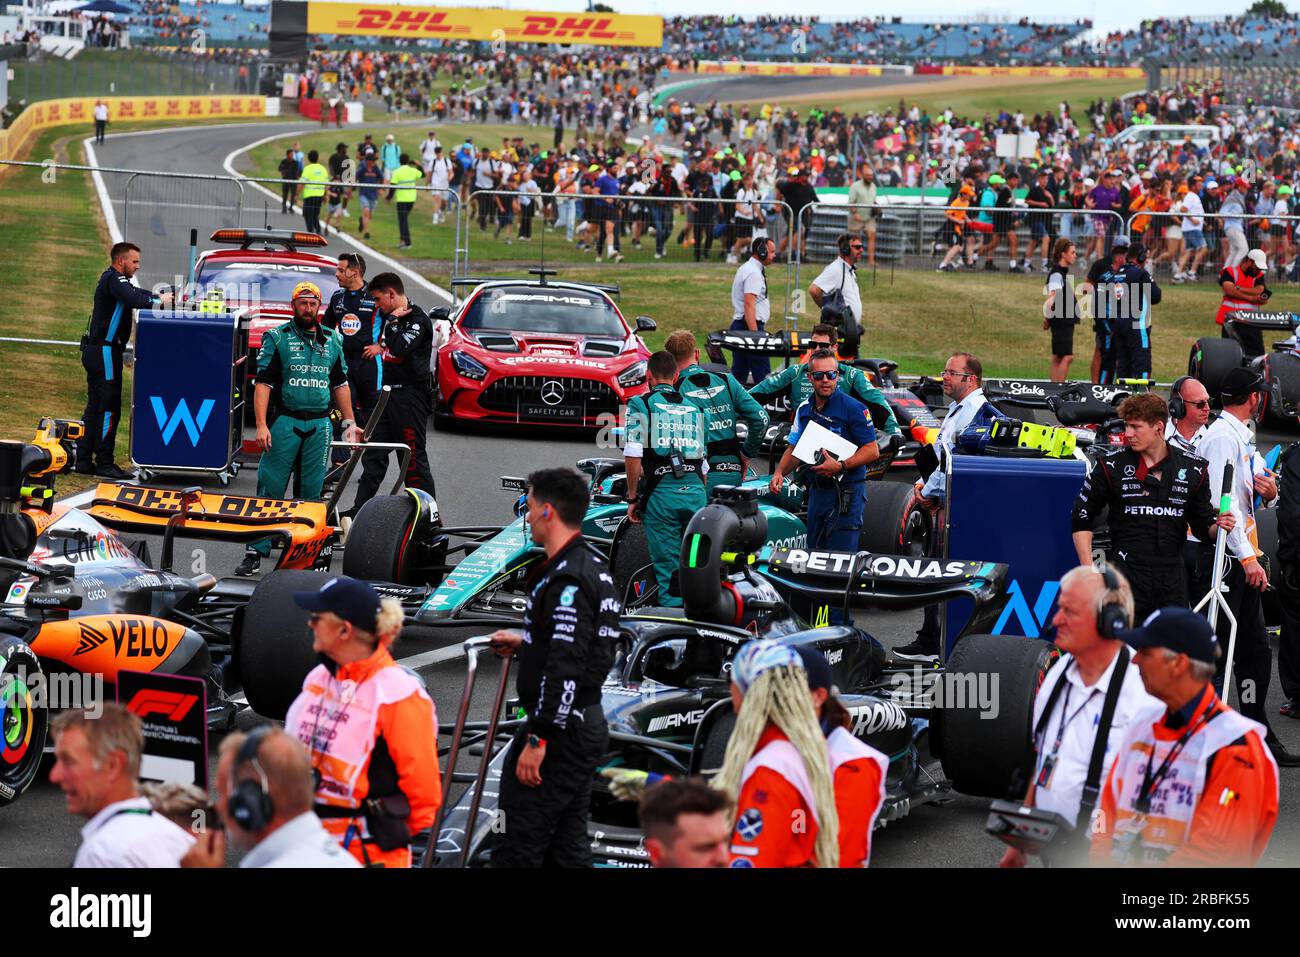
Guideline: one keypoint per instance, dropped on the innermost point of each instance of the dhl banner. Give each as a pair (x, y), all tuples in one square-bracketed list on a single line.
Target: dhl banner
[(1058, 72), (789, 69), (484, 23), (121, 109)]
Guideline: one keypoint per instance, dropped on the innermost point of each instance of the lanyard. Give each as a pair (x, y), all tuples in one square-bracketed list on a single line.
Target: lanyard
[(1065, 721), (1152, 781)]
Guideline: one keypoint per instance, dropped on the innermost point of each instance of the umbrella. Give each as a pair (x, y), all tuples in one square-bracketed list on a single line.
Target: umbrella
[(104, 6)]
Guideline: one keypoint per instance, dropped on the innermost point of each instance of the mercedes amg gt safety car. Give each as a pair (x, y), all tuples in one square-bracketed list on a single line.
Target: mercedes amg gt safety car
[(539, 352), (667, 702)]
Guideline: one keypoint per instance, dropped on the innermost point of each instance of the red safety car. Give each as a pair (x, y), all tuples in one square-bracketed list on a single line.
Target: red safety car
[(539, 352), (254, 275)]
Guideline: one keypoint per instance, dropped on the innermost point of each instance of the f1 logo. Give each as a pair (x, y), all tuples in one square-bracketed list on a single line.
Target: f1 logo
[(168, 424), (171, 704)]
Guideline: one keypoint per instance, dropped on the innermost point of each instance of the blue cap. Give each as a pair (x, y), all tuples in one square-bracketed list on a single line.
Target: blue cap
[(1177, 629), (352, 600), (819, 671)]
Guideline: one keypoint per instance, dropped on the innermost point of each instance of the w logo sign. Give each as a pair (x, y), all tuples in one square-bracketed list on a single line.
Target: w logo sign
[(168, 424), (1031, 620)]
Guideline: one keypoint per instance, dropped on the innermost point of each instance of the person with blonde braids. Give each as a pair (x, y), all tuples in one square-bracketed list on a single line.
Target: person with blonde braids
[(368, 724), (777, 766)]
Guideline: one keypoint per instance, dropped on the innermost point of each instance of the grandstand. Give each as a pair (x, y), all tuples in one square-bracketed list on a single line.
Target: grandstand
[(1178, 38)]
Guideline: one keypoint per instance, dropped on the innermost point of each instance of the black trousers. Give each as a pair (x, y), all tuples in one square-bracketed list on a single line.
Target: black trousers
[(286, 196), (1252, 666), (1154, 584), (404, 221), (526, 221), (1287, 582), (486, 207), (702, 231), (100, 127), (311, 213), (405, 420), (547, 825), (103, 365)]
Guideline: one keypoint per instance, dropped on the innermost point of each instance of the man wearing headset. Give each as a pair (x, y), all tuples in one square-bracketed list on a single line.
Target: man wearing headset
[(1152, 491), (264, 796), (1189, 413), (1231, 440), (1071, 704), (750, 308), (842, 276)]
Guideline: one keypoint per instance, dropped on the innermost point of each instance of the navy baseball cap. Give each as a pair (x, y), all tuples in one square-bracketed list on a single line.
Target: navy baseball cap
[(815, 664), (1240, 381), (1177, 629), (352, 600)]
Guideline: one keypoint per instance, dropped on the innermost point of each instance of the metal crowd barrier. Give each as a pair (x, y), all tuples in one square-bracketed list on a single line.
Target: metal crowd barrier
[(1164, 236)]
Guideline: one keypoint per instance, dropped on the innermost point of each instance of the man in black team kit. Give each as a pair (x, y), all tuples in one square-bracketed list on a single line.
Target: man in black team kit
[(565, 649), (1153, 491), (111, 321), (353, 313), (405, 347)]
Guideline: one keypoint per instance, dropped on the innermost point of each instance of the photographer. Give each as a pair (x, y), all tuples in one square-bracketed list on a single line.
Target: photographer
[(1076, 699), (835, 290)]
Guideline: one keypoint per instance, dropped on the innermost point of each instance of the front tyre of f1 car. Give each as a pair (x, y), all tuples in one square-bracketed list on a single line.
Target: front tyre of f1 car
[(379, 542), (984, 719), (634, 573), (892, 523), (24, 719), (273, 643), (1210, 362)]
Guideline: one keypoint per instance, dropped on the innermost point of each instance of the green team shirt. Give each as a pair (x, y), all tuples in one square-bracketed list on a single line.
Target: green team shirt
[(303, 371), (853, 381), (723, 400), (313, 174), (675, 425), (401, 180)]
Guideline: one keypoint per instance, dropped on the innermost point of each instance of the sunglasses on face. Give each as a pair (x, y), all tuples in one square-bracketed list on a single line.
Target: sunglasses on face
[(818, 344), (1202, 404), (831, 374), (855, 245)]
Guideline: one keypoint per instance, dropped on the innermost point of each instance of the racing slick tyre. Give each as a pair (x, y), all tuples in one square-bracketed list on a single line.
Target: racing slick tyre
[(634, 573), (24, 719), (892, 524), (377, 548), (273, 644), (1211, 360), (982, 756), (714, 749), (1281, 372)]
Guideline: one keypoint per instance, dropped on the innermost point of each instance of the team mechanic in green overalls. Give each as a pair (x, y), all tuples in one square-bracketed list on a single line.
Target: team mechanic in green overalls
[(794, 380), (723, 400), (302, 362), (664, 457)]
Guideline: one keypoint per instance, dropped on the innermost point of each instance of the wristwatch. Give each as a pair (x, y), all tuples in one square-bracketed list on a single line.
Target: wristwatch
[(535, 742)]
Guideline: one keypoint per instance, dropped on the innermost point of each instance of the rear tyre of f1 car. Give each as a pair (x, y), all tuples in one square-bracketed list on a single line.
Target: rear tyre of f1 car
[(273, 644), (892, 524), (378, 545), (24, 720), (634, 573), (1211, 360), (982, 756)]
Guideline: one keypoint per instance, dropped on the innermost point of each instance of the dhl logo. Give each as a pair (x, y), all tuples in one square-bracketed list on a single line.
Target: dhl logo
[(412, 21), (570, 28)]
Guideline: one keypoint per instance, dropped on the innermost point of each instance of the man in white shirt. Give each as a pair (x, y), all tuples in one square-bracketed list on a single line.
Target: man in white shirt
[(750, 309), (842, 276), (439, 171), (963, 380), (97, 765), (1193, 222), (264, 797), (427, 151), (1067, 716), (1230, 440), (101, 120)]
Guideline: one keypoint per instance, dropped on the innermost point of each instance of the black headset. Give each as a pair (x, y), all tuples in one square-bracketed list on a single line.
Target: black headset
[(1178, 407), (845, 244), (758, 248), (250, 800), (1111, 616)]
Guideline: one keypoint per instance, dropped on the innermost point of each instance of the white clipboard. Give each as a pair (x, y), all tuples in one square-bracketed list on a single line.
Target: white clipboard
[(815, 437)]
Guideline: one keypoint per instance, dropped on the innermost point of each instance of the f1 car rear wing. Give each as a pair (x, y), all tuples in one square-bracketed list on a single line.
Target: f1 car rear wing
[(786, 343), (1278, 321), (894, 582), (302, 527)]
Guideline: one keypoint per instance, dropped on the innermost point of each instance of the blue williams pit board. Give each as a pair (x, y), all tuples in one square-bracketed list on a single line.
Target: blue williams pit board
[(1014, 511), (183, 412)]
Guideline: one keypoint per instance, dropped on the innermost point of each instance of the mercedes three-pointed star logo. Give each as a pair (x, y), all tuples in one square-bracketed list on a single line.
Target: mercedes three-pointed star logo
[(552, 392)]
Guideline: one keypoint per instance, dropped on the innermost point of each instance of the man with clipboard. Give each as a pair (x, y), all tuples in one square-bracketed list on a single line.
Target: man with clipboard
[(833, 437)]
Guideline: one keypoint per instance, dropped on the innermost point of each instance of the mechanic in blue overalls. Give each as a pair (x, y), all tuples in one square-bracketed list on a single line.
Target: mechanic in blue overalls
[(837, 494)]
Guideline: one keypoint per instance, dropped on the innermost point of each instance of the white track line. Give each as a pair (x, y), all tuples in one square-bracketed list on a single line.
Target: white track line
[(105, 201), (229, 165)]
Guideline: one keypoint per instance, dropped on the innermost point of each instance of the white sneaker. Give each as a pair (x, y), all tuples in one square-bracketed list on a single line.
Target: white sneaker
[(1179, 277), (659, 255), (618, 258), (732, 259)]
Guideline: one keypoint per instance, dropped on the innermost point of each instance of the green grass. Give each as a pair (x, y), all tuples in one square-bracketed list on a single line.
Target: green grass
[(1027, 96), (117, 73)]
